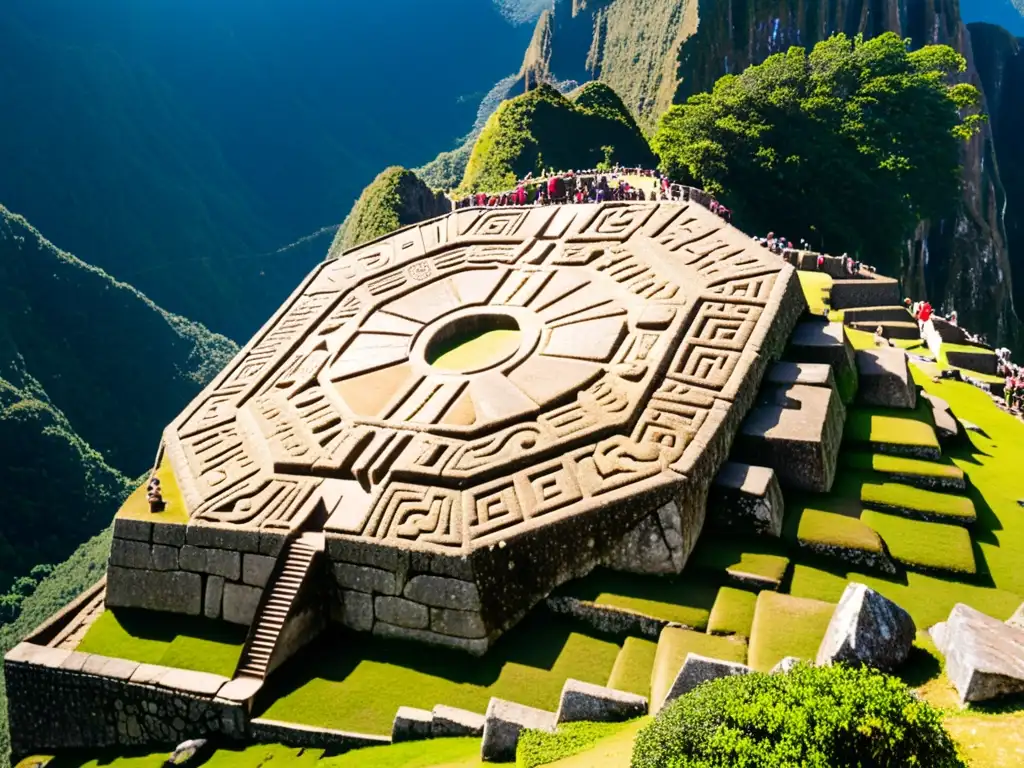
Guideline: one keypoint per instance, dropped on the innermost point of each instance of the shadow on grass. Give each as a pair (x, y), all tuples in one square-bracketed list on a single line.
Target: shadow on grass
[(685, 589), (537, 641), (920, 667), (1001, 706), (166, 627)]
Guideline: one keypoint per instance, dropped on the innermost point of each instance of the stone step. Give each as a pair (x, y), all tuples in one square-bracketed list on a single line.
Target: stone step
[(586, 702), (797, 431), (894, 313), (503, 723), (891, 329), (869, 290), (675, 645), (929, 475), (884, 378)]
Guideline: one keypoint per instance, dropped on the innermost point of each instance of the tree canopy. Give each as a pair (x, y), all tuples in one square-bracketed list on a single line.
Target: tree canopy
[(849, 146)]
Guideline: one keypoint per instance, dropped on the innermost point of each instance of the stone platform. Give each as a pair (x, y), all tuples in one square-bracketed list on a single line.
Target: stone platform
[(472, 411)]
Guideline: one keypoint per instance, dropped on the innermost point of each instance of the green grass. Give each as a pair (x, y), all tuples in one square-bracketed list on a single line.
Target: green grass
[(898, 465), (172, 641), (680, 599), (878, 428), (728, 554), (434, 753), (612, 751), (815, 526), (907, 499), (136, 507), (786, 626), (357, 682), (632, 669), (542, 748), (673, 646), (733, 612), (916, 543), (817, 287), (477, 350)]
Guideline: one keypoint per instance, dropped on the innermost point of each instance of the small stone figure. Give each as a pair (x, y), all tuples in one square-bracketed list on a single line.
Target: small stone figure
[(154, 496)]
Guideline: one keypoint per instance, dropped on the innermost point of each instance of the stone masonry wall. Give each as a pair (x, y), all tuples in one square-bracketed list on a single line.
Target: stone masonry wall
[(195, 570), (413, 595), (59, 699)]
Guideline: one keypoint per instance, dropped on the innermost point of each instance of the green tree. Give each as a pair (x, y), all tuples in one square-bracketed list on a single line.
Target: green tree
[(849, 146)]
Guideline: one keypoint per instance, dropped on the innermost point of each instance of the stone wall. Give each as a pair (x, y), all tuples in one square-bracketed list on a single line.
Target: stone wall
[(196, 570), (807, 261), (59, 699), (865, 291)]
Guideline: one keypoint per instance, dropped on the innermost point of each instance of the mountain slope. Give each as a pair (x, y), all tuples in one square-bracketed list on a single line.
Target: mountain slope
[(588, 127), (178, 145), (658, 52), (118, 366)]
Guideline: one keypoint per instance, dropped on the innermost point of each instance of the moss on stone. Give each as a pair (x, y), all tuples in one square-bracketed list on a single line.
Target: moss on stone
[(919, 544), (785, 625), (732, 613), (673, 647), (632, 670)]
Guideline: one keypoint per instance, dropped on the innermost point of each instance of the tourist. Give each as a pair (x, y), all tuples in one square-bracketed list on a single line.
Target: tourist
[(880, 340), (952, 318), (821, 262)]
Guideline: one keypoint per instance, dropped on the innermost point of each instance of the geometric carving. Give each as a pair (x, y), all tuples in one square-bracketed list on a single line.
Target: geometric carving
[(621, 327)]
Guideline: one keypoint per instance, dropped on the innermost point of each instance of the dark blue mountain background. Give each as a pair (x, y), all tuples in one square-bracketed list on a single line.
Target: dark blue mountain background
[(1008, 14), (178, 144)]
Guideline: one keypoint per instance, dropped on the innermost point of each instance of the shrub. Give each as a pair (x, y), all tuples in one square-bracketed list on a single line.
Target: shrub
[(813, 717)]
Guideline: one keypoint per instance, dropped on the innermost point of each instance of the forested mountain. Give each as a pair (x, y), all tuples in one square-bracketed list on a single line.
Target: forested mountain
[(178, 144), (90, 372), (1008, 14)]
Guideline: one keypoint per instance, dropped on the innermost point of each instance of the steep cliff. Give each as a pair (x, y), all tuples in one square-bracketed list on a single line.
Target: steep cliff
[(999, 59), (658, 52)]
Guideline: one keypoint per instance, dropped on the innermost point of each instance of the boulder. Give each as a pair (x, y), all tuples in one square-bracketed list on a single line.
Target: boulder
[(984, 656), (867, 628), (884, 378), (597, 704), (784, 666), (699, 669), (502, 725), (411, 724), (947, 428), (747, 499)]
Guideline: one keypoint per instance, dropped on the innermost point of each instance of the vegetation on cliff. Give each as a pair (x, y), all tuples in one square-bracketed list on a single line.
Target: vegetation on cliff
[(395, 199), (820, 144), (544, 129)]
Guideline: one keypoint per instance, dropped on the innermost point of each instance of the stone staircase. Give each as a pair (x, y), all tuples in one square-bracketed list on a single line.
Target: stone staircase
[(277, 605)]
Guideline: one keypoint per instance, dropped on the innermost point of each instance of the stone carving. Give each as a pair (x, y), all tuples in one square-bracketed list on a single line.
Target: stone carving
[(608, 339)]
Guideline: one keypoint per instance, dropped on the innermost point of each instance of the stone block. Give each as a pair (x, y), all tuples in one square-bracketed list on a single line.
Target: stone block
[(366, 553), (812, 374), (452, 722), (38, 655), (257, 569), (131, 554), (222, 562), (169, 534), (984, 656), (240, 603), (947, 428), (747, 499), (868, 290), (595, 703), (357, 610), (441, 592), (448, 621), (411, 724), (230, 537), (192, 558), (425, 636), (165, 558), (75, 661), (241, 689), (102, 666), (649, 548), (190, 681), (272, 543), (401, 612), (503, 723), (815, 341), (214, 597), (172, 591), (797, 431), (363, 578), (980, 360), (699, 669), (149, 674), (885, 379), (867, 628), (136, 530)]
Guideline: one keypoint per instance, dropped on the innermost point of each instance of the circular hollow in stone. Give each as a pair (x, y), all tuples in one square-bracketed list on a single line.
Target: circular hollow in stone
[(474, 342)]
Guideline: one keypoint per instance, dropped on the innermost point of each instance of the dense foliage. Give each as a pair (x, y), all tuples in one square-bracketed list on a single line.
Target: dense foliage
[(544, 747), (813, 717), (544, 129), (396, 198), (819, 144)]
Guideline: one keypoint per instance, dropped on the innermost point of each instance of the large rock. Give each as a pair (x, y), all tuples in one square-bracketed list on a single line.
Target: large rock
[(597, 704), (867, 628), (984, 656), (747, 499), (699, 669), (885, 378), (502, 725)]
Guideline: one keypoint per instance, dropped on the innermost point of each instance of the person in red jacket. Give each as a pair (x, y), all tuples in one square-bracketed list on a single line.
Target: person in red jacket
[(925, 313)]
